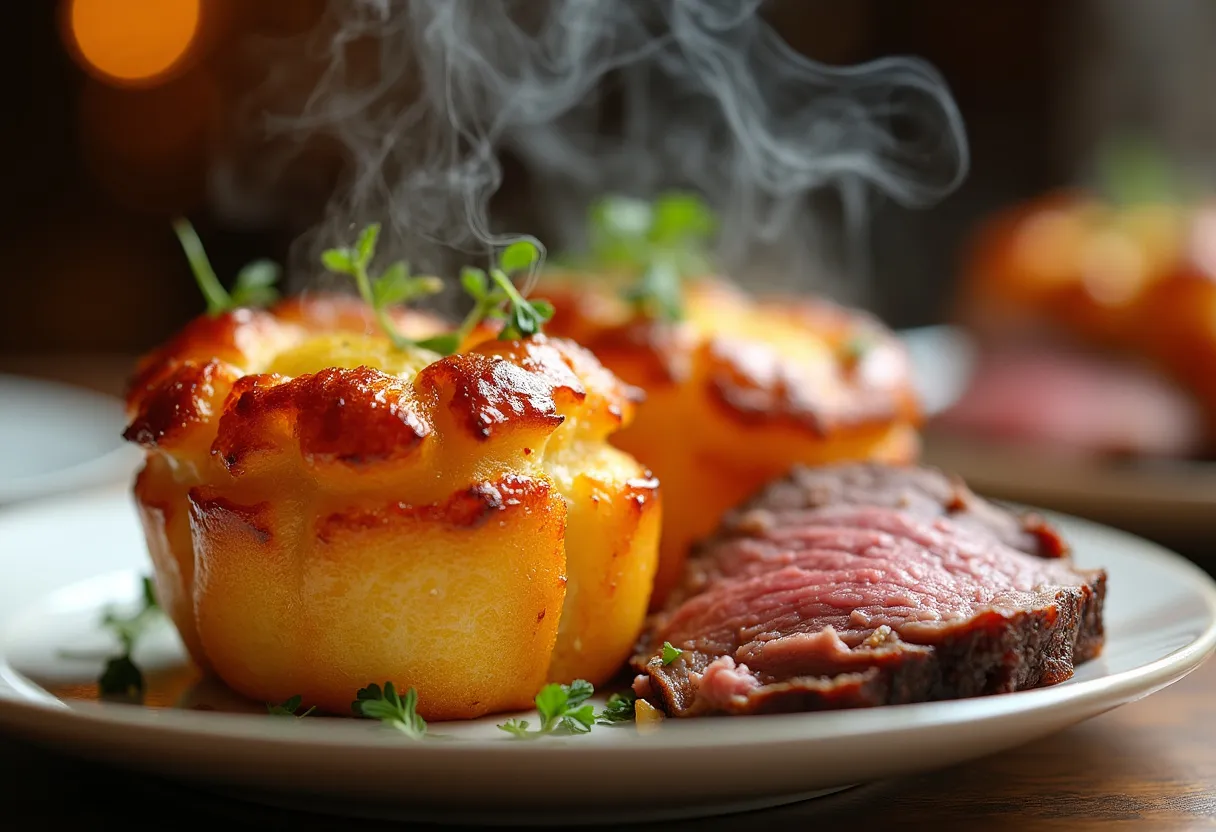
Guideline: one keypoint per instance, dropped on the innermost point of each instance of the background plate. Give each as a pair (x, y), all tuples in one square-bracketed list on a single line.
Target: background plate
[(55, 438)]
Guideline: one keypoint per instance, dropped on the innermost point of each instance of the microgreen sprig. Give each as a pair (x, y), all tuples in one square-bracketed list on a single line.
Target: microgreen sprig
[(496, 298), (494, 295), (392, 286), (670, 654), (619, 708), (289, 707), (561, 707), (1134, 171), (662, 242), (386, 705), (121, 677), (254, 284)]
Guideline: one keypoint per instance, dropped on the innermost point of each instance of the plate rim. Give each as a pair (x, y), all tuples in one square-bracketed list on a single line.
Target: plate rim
[(31, 710), (80, 475)]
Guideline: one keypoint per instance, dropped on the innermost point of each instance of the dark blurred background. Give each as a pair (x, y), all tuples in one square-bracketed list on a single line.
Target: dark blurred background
[(94, 167)]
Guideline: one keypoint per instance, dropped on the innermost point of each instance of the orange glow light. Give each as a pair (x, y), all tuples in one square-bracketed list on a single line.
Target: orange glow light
[(132, 41)]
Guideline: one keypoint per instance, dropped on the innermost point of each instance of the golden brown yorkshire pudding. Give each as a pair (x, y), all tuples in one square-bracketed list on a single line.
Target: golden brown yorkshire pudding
[(325, 510), (739, 390)]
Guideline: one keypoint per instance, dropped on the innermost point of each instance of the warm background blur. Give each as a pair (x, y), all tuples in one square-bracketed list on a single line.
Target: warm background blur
[(105, 141)]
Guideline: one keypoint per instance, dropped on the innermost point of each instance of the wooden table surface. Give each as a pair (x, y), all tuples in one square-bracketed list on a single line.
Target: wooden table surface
[(1148, 765)]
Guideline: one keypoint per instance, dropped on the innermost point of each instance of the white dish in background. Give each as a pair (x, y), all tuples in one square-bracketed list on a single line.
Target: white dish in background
[(56, 438), (64, 560), (943, 358)]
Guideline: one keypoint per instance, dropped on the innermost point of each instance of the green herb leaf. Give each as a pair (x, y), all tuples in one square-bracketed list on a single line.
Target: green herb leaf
[(579, 720), (518, 256), (659, 293), (254, 284), (578, 692), (338, 260), (474, 282), (516, 727), (551, 702), (1134, 171), (523, 317), (395, 711), (619, 708), (121, 679), (662, 242), (365, 248), (259, 274), (149, 593), (129, 628), (213, 292), (679, 219), (289, 708), (395, 285), (445, 344), (561, 707), (670, 654)]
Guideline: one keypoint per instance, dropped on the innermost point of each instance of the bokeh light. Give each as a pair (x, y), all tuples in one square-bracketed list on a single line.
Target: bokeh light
[(132, 42)]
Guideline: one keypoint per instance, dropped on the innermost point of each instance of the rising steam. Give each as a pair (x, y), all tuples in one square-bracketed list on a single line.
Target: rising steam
[(594, 96)]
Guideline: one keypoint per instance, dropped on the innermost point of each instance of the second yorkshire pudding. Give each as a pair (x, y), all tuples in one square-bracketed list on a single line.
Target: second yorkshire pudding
[(739, 390)]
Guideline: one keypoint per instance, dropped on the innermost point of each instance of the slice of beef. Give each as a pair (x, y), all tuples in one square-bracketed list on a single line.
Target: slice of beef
[(861, 585), (1067, 401)]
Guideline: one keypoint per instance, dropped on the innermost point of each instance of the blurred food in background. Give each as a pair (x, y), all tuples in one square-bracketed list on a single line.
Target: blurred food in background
[(1094, 310)]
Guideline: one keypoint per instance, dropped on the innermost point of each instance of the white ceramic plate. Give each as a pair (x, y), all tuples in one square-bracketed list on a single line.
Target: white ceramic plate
[(56, 438), (1165, 499), (64, 560), (942, 358)]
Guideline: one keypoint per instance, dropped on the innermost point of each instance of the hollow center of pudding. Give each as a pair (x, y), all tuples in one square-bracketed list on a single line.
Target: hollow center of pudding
[(348, 351)]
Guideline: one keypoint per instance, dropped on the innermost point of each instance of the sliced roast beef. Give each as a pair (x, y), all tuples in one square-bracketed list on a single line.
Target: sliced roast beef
[(1066, 401), (862, 585)]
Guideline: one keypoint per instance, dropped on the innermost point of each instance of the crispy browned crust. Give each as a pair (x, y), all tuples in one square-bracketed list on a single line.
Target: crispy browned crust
[(749, 382), (469, 509), (183, 397), (240, 336), (357, 416)]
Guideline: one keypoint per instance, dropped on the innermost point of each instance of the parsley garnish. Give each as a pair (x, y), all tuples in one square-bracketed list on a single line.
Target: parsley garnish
[(1134, 171), (254, 283), (563, 707), (289, 707), (619, 708), (396, 711), (121, 677), (392, 286), (495, 297), (662, 242), (670, 654)]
